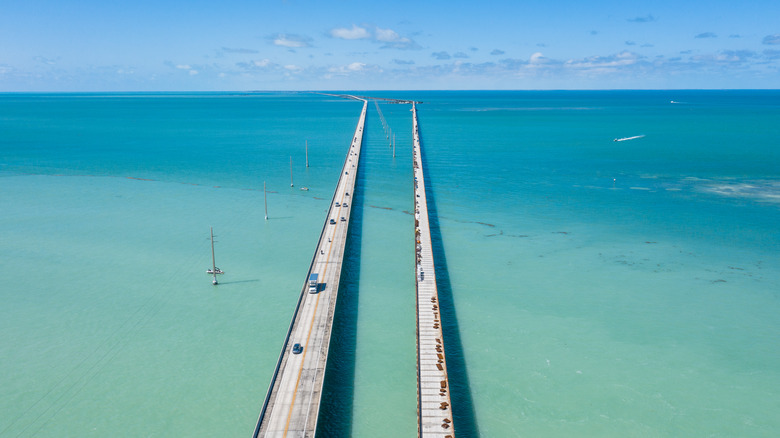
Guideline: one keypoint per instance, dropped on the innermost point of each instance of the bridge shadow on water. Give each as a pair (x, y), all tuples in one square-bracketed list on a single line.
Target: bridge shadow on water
[(463, 414), (338, 392)]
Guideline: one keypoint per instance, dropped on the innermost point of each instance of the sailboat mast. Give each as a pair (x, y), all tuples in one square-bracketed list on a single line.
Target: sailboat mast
[(265, 201), (307, 153), (213, 259), (291, 179)]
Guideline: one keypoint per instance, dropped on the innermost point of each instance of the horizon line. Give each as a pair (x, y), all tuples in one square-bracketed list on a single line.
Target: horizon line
[(380, 90)]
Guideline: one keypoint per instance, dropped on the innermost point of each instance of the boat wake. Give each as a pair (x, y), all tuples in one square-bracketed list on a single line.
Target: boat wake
[(629, 138)]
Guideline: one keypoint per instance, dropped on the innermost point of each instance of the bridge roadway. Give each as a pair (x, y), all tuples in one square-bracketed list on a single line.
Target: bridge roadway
[(292, 403), (434, 409)]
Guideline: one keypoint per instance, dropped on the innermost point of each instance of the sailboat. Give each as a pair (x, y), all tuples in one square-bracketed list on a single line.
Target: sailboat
[(214, 269)]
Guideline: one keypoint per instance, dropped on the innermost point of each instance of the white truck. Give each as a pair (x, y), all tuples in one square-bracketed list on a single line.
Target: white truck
[(313, 283)]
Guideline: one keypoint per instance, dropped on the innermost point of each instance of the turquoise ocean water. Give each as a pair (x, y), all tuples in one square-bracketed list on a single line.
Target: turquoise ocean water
[(595, 288)]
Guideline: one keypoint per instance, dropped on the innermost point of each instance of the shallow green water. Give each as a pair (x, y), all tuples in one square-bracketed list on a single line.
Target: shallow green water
[(600, 288)]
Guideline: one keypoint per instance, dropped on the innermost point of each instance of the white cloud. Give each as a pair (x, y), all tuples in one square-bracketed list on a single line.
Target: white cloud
[(187, 67), (356, 33), (726, 57), (624, 69), (352, 68), (341, 69), (537, 58), (291, 41), (604, 63), (394, 41), (387, 35), (257, 66), (356, 66)]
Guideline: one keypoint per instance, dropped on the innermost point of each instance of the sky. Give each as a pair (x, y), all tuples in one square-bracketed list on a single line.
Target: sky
[(228, 45)]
